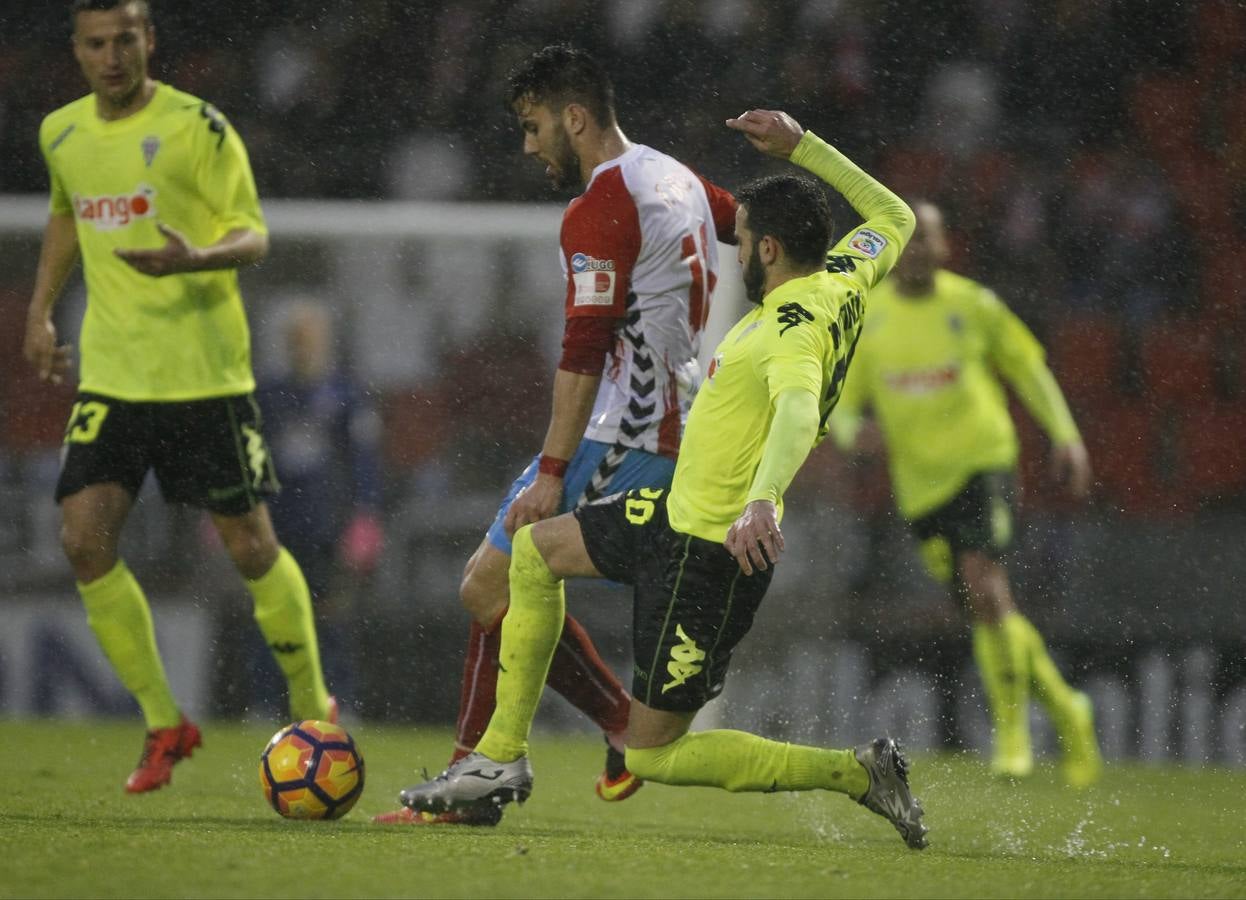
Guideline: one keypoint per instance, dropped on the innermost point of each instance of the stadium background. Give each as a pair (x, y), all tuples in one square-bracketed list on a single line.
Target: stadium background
[(1089, 156)]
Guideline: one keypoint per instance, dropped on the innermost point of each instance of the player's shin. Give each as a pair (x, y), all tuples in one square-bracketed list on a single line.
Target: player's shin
[(1003, 663), (530, 635), (118, 613), (283, 611), (1050, 688), (739, 761), (579, 674)]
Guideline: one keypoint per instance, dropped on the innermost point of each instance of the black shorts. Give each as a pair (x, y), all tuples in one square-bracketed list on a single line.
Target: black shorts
[(691, 603), (981, 517), (207, 453)]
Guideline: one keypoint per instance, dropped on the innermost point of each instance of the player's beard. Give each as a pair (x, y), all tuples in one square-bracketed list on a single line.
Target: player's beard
[(565, 167), (754, 277)]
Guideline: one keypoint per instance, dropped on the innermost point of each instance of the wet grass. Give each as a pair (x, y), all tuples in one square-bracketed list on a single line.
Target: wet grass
[(67, 830)]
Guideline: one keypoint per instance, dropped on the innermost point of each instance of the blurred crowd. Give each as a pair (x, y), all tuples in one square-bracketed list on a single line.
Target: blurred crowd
[(1089, 154)]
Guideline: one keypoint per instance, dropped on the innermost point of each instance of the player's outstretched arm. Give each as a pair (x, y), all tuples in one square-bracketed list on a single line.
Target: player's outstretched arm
[(56, 260), (239, 247)]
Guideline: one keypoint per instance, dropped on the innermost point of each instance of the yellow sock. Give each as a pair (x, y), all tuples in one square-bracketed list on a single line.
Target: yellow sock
[(1050, 688), (1002, 657), (119, 615), (530, 635), (738, 761), (283, 610)]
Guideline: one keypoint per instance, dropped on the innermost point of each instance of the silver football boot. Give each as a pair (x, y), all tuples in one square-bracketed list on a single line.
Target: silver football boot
[(472, 784), (889, 793)]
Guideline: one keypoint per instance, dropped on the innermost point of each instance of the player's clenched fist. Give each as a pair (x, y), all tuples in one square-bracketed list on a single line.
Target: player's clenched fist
[(771, 131)]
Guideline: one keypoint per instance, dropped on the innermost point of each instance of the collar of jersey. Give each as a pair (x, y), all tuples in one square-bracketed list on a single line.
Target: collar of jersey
[(131, 121), (801, 285), (616, 161)]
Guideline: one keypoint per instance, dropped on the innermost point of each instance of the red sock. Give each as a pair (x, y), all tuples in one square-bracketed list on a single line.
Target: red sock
[(479, 693), (579, 674)]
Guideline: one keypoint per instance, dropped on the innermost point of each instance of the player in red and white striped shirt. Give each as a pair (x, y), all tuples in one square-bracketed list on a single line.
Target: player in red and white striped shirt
[(639, 252)]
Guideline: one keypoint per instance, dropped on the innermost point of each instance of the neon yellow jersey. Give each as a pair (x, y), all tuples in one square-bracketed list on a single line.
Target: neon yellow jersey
[(175, 162), (800, 337), (930, 368)]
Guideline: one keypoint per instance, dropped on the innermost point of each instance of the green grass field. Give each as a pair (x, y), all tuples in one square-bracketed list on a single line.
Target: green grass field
[(67, 830)]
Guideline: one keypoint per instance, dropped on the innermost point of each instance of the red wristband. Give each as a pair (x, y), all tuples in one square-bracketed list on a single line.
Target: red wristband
[(552, 465)]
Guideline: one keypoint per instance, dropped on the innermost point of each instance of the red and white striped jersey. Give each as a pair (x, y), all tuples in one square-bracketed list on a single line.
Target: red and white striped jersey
[(639, 246)]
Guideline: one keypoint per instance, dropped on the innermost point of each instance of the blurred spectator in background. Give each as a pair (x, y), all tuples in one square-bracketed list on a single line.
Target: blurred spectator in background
[(326, 433)]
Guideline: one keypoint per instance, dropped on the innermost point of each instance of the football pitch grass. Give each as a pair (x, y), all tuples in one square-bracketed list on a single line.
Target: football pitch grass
[(68, 830)]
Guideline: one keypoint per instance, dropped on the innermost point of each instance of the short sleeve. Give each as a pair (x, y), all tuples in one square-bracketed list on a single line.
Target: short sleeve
[(600, 245), (226, 180), (59, 202), (722, 207)]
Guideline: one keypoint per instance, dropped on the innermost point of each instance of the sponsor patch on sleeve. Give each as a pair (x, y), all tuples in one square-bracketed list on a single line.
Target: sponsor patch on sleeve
[(868, 242), (594, 288)]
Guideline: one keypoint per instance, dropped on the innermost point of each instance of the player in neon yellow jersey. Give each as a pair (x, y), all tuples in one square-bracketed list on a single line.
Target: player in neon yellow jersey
[(929, 366), (153, 188), (701, 556)]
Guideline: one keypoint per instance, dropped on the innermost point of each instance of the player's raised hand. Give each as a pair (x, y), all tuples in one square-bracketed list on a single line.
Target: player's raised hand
[(177, 255), (771, 131), (754, 539), (1071, 464), (51, 360)]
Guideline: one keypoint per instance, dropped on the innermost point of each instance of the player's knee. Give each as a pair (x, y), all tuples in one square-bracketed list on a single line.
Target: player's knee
[(252, 552), (481, 599), (649, 763), (526, 560), (91, 555)]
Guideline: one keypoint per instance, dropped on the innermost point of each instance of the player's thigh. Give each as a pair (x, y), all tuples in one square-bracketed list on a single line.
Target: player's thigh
[(212, 454), (692, 607), (560, 541), (978, 519), (107, 441)]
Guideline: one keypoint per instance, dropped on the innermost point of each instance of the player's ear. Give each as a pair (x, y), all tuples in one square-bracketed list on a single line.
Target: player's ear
[(574, 118), (769, 249)]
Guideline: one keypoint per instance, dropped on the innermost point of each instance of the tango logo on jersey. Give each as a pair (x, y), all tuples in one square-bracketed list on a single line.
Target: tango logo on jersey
[(868, 242), (111, 213), (922, 381), (582, 262)]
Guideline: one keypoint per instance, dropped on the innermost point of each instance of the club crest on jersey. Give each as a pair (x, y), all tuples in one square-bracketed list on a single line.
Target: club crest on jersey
[(868, 242), (151, 146), (109, 213), (714, 364)]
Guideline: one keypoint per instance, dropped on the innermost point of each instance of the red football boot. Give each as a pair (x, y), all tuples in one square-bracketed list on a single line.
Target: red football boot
[(162, 749)]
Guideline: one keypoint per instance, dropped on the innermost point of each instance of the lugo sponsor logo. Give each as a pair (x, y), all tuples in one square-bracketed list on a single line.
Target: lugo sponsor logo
[(111, 213), (594, 280)]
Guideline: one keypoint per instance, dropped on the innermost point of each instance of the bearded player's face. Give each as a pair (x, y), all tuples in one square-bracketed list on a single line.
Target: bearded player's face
[(112, 47), (545, 138)]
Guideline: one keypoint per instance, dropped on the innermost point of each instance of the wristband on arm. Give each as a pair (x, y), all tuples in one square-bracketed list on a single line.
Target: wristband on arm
[(552, 465)]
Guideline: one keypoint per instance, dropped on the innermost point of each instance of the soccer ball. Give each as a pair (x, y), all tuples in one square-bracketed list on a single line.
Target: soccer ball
[(312, 770)]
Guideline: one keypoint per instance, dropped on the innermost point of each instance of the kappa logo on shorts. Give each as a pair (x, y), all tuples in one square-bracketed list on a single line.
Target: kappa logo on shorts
[(685, 660), (257, 455)]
